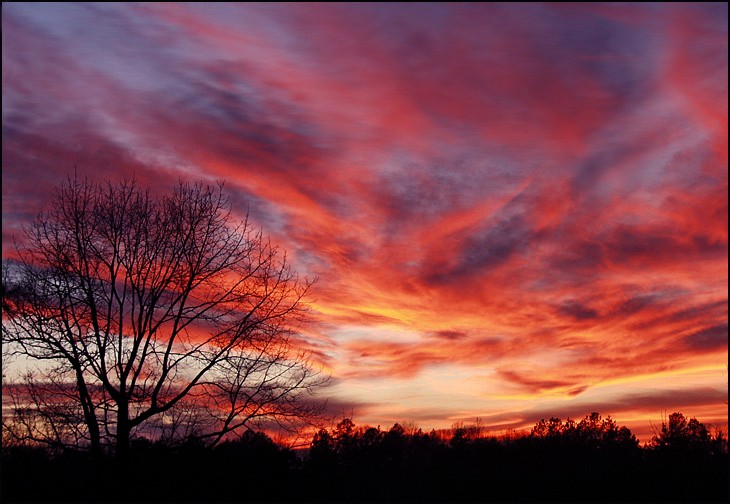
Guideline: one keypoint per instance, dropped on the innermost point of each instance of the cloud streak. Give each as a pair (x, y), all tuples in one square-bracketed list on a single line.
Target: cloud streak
[(534, 194)]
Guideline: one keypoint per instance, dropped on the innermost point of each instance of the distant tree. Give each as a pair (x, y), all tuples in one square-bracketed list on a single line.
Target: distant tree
[(322, 443), (370, 436), (344, 430), (592, 430), (461, 431), (547, 428), (680, 434), (145, 307)]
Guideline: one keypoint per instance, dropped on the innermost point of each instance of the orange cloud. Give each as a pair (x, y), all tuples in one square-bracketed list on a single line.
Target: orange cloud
[(535, 196)]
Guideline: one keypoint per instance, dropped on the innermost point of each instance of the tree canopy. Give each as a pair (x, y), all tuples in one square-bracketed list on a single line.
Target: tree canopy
[(156, 315)]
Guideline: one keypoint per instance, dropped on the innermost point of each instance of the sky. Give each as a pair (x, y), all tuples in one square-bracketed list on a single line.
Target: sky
[(513, 211)]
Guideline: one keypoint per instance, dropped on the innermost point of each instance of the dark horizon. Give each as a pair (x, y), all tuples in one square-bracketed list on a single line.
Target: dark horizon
[(594, 459)]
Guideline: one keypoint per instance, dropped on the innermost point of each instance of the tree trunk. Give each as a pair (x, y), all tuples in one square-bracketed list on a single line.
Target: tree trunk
[(122, 466), (94, 435), (92, 423), (123, 430)]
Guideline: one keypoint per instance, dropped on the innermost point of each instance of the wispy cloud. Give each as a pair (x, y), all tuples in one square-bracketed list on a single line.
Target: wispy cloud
[(539, 189)]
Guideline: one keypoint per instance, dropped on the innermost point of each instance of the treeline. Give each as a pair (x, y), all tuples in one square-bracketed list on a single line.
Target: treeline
[(590, 460)]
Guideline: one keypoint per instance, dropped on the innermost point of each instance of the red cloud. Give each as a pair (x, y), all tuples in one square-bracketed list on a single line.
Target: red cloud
[(510, 185)]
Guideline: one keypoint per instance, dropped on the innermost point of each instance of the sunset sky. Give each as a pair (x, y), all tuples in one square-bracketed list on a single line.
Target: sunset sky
[(514, 211)]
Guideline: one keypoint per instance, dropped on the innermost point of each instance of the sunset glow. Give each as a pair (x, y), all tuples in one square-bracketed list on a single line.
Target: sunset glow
[(513, 211)]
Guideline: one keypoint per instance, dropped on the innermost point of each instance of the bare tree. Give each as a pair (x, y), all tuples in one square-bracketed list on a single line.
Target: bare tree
[(155, 308), (42, 412)]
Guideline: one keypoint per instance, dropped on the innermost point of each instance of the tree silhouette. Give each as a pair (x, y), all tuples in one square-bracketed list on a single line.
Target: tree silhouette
[(680, 435), (582, 463), (593, 431), (144, 308)]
